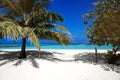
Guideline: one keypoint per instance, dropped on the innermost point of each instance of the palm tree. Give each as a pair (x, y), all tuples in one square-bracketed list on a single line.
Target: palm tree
[(31, 19)]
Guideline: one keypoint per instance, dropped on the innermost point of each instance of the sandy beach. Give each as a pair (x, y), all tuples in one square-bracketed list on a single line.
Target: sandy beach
[(59, 39), (56, 65)]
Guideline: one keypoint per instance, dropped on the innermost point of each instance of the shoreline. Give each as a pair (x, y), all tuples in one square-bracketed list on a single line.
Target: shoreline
[(56, 49), (81, 50)]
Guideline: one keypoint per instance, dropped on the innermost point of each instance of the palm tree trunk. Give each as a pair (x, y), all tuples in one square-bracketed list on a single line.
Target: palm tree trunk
[(23, 53)]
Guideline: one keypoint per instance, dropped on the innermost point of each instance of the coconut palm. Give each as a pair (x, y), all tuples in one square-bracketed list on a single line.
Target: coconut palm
[(31, 19)]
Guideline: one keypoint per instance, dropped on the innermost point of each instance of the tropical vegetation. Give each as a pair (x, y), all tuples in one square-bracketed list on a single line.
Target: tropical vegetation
[(31, 19), (104, 24)]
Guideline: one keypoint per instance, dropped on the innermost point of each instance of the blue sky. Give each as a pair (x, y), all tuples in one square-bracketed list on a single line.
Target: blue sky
[(72, 11)]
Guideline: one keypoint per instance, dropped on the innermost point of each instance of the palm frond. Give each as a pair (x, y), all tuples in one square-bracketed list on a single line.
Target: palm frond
[(11, 4), (10, 29), (45, 16), (54, 17), (43, 33), (28, 32), (14, 31), (53, 26), (41, 4), (4, 17)]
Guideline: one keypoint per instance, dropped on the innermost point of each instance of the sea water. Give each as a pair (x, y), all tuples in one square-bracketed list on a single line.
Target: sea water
[(55, 46)]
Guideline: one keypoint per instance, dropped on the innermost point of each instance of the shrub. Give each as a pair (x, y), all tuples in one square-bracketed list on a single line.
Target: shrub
[(111, 58)]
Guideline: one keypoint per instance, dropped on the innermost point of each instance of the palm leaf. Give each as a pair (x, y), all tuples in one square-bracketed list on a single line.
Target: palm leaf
[(10, 29), (28, 32), (45, 16), (55, 17), (41, 4), (12, 5), (53, 26), (43, 33), (14, 31), (4, 17)]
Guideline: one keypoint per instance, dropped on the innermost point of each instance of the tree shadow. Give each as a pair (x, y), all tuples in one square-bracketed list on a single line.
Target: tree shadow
[(91, 59), (8, 57)]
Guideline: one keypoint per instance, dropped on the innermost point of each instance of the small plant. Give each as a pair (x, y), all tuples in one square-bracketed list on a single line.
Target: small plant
[(111, 57)]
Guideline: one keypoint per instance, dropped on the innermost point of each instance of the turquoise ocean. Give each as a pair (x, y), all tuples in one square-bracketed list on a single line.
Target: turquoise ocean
[(55, 46)]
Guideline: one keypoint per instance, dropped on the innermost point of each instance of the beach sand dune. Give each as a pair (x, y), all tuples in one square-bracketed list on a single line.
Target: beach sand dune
[(56, 65)]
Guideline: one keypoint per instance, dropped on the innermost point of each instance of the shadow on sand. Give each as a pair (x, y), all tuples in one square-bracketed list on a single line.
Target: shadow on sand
[(7, 57), (91, 59)]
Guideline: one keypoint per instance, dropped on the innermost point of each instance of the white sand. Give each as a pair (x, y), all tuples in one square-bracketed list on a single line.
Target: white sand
[(58, 70)]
